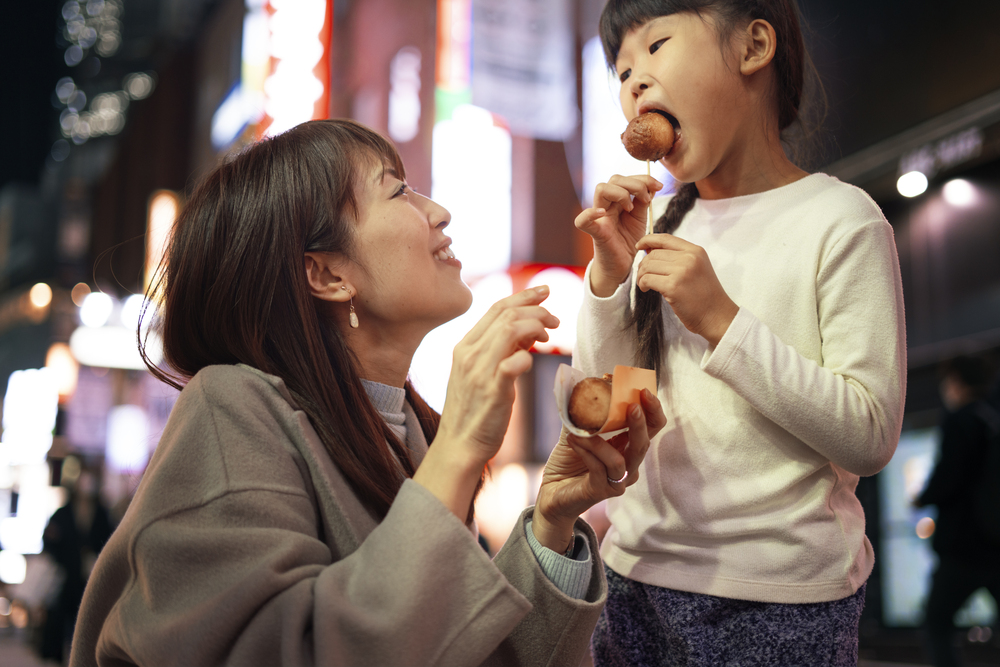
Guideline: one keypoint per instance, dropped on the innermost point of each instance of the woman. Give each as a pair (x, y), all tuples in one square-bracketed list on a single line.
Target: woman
[(293, 512)]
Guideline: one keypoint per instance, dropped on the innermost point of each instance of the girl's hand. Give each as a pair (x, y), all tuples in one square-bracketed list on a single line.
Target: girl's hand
[(683, 274), (616, 222), (580, 472), (480, 395)]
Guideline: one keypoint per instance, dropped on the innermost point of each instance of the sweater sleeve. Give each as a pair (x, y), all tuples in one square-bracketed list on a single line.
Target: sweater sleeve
[(570, 575), (601, 339), (849, 407)]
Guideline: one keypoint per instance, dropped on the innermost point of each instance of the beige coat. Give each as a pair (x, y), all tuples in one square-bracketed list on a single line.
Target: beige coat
[(244, 545)]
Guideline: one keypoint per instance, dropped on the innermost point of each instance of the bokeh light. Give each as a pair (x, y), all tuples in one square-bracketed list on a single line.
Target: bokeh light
[(40, 295), (912, 184), (96, 309), (79, 293), (925, 527)]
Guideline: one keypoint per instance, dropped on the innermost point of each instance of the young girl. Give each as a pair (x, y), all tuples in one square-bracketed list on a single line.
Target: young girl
[(293, 513), (769, 302)]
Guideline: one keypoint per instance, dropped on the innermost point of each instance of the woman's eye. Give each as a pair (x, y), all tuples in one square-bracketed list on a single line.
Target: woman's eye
[(624, 75), (401, 190), (655, 46)]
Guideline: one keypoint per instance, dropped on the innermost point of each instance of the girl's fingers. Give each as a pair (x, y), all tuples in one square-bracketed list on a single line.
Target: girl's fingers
[(585, 221), (606, 194), (664, 242)]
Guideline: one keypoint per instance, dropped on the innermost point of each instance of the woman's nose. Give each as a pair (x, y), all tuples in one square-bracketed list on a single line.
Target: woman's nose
[(437, 216)]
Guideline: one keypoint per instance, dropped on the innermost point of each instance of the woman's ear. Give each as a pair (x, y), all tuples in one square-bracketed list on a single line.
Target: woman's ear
[(325, 277), (760, 42)]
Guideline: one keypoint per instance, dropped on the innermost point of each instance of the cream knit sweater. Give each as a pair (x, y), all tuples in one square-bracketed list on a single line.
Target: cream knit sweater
[(748, 492)]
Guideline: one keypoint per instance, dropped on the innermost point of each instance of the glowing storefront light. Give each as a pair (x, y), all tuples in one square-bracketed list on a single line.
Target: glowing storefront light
[(404, 94), (13, 568), (296, 88), (471, 177), (29, 415), (284, 73), (113, 347), (565, 299), (163, 208), (64, 367), (128, 439)]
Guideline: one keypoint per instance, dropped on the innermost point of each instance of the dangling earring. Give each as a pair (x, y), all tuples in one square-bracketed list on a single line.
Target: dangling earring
[(354, 316)]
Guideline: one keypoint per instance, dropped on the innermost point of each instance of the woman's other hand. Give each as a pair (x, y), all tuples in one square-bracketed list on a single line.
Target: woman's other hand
[(682, 272), (480, 395), (580, 472), (616, 222)]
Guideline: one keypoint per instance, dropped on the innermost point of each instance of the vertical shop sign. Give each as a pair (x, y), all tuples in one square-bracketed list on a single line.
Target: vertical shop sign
[(523, 65)]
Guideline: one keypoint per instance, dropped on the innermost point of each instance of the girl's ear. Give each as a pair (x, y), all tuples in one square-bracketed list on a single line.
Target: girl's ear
[(760, 42), (324, 273)]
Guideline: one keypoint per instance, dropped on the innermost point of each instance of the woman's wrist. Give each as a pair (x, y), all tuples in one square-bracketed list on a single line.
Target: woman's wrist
[(451, 478), (557, 536)]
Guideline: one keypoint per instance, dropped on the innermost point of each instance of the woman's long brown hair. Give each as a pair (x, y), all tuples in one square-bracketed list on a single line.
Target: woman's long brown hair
[(794, 76), (232, 289)]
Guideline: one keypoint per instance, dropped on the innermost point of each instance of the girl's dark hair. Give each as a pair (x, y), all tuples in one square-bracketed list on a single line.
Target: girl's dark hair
[(232, 289), (793, 69)]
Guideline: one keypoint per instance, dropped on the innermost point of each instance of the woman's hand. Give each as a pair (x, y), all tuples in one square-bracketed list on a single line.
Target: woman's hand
[(580, 472), (480, 395), (616, 222), (683, 274)]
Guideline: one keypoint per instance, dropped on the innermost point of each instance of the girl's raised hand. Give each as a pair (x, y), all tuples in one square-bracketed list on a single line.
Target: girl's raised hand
[(480, 395), (580, 472), (683, 274), (616, 222)]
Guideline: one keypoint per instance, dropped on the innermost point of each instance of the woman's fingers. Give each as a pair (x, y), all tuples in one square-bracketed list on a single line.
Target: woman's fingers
[(529, 297), (615, 465), (656, 419)]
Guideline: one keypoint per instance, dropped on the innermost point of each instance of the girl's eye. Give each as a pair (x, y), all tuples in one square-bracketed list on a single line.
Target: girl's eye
[(401, 190), (655, 46), (624, 75)]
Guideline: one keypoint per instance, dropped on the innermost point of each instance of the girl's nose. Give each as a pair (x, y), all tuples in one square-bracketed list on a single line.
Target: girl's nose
[(638, 83)]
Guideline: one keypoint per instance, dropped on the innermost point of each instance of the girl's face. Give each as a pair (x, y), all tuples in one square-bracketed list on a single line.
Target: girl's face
[(411, 282), (675, 64)]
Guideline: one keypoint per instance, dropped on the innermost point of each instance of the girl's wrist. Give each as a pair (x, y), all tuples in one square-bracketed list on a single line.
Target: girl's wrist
[(721, 325), (603, 284)]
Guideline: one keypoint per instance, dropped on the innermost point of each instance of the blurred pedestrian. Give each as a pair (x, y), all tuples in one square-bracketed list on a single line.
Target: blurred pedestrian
[(75, 535), (968, 556)]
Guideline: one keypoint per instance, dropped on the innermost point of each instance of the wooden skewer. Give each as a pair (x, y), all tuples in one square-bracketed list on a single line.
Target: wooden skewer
[(649, 208)]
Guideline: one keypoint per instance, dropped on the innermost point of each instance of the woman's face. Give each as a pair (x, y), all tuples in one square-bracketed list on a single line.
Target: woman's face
[(411, 281)]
